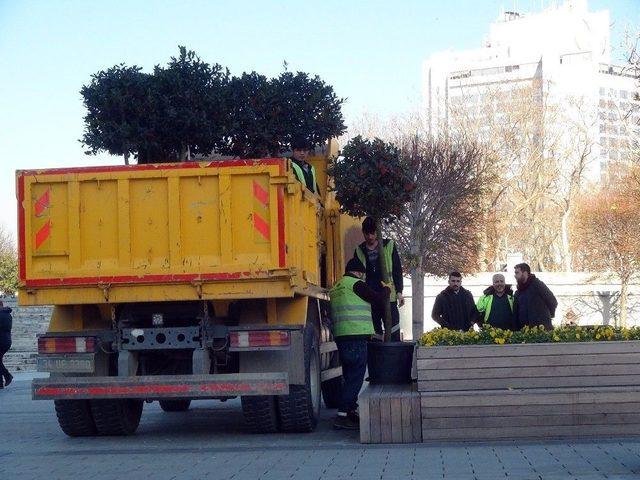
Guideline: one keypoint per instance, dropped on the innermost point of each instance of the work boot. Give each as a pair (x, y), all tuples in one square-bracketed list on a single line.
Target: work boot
[(345, 422), (8, 379)]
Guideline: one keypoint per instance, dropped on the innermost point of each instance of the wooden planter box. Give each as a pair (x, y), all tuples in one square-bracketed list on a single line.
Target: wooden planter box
[(481, 392)]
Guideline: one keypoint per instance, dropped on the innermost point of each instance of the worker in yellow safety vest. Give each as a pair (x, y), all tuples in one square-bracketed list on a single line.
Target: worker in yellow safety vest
[(304, 171), (496, 305), (351, 301), (367, 253)]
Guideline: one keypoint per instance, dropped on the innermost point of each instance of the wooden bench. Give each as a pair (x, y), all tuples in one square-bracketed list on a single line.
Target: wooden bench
[(529, 391), (390, 414)]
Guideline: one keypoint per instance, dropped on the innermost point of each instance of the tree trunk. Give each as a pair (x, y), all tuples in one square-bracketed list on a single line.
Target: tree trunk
[(417, 302), (126, 158), (182, 155), (385, 279), (566, 251), (624, 287)]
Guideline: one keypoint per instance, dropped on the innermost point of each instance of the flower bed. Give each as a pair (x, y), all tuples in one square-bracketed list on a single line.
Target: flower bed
[(496, 384), (496, 336)]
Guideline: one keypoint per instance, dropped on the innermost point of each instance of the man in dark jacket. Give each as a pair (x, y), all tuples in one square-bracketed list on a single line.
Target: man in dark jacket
[(496, 305), (5, 343), (367, 253), (454, 307), (534, 304)]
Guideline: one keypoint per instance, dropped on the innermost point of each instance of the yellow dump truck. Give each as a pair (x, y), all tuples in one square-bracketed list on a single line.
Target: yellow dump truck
[(182, 281)]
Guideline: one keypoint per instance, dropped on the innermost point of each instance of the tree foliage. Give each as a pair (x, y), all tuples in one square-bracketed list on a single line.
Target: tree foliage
[(308, 109), (605, 233), (8, 264), (252, 104), (440, 229), (191, 107), (188, 101), (118, 112), (370, 179)]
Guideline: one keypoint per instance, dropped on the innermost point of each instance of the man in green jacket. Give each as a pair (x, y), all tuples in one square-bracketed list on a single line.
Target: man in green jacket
[(351, 301), (496, 305)]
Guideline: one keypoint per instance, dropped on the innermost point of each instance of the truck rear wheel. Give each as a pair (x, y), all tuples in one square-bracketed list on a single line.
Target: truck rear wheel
[(260, 413), (74, 417), (299, 411), (175, 405), (117, 416)]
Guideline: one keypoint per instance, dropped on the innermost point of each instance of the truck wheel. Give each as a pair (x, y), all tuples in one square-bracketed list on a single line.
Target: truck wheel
[(260, 413), (332, 389), (331, 392), (175, 405), (299, 411), (117, 416), (74, 417)]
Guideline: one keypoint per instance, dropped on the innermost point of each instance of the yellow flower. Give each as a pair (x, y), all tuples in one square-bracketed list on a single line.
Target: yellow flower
[(499, 341), (556, 338), (598, 336)]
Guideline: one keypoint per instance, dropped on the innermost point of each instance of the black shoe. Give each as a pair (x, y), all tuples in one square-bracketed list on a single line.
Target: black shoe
[(345, 423), (8, 379), (354, 416)]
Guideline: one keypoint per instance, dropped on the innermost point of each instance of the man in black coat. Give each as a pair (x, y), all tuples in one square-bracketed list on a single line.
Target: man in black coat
[(5, 342), (454, 307), (534, 304)]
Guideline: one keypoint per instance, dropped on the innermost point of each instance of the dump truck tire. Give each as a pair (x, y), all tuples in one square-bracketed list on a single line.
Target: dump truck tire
[(116, 417), (332, 389), (175, 405), (260, 413), (74, 417), (299, 411)]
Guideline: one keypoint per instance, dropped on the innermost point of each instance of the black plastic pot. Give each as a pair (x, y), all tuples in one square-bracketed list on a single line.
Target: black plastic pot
[(390, 363)]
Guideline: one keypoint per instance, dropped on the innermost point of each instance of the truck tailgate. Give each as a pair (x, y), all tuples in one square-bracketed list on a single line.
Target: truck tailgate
[(186, 224)]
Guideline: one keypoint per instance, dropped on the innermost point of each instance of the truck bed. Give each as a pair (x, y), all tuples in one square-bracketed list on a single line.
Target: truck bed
[(181, 231)]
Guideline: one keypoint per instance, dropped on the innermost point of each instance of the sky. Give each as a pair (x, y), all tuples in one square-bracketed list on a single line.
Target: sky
[(370, 51)]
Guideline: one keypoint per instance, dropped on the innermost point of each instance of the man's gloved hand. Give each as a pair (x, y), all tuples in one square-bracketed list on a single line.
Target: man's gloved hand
[(400, 300)]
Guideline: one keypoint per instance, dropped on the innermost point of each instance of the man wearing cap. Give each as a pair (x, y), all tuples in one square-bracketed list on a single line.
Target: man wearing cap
[(351, 301), (304, 171)]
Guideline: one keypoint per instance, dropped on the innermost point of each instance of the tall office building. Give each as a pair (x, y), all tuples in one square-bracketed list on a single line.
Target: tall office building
[(559, 56)]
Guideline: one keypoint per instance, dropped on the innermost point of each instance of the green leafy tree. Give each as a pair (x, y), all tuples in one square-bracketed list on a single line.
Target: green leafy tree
[(187, 99), (370, 181), (252, 104), (8, 264), (169, 115), (190, 107), (118, 112), (307, 109)]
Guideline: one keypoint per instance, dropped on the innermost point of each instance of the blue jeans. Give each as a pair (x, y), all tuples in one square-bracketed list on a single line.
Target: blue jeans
[(353, 357)]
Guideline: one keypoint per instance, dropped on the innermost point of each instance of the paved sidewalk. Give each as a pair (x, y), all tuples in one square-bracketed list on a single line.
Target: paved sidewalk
[(209, 442)]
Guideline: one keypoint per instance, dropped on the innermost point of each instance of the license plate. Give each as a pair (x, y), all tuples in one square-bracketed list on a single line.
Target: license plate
[(76, 363)]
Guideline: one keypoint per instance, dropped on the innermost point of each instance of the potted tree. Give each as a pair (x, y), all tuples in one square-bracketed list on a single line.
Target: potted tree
[(370, 181)]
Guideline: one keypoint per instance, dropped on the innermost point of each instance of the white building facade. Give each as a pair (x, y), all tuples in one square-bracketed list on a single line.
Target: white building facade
[(561, 56)]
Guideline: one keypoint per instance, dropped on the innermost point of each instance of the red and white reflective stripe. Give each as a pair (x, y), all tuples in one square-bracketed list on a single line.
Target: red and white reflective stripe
[(66, 345), (260, 338)]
